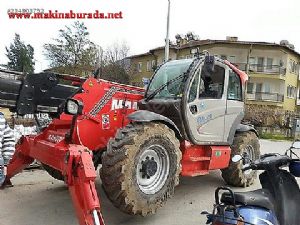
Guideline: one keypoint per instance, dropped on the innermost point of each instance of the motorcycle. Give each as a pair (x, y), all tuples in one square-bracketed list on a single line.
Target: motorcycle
[(277, 203)]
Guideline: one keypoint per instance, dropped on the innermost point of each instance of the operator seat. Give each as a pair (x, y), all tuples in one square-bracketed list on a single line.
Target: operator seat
[(260, 198)]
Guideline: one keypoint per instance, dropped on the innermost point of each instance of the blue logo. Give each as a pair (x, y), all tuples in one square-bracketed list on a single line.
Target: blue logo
[(202, 106)]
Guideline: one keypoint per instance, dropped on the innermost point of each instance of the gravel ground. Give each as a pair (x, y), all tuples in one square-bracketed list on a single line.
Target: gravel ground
[(38, 199)]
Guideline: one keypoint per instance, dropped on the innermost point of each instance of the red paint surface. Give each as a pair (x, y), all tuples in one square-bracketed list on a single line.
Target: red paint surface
[(199, 160)]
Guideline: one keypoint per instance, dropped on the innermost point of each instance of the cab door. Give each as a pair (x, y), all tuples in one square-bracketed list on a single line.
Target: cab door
[(206, 105), (234, 105)]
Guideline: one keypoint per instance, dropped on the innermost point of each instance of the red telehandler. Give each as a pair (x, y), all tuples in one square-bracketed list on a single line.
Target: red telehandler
[(187, 122)]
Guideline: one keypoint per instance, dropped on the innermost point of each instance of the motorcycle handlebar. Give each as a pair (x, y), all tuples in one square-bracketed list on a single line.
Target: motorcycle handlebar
[(268, 161)]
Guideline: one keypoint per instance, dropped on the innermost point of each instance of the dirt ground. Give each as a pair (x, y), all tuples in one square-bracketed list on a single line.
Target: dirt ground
[(37, 199)]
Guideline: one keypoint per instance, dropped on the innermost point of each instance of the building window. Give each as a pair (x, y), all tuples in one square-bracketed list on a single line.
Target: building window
[(139, 67), (293, 66), (258, 87), (291, 91), (267, 88), (149, 66), (250, 88), (269, 63), (252, 63), (234, 87), (231, 59), (153, 65), (260, 64)]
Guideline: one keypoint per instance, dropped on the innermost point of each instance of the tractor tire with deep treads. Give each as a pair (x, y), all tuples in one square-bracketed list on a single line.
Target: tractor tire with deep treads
[(243, 143), (56, 174), (141, 167)]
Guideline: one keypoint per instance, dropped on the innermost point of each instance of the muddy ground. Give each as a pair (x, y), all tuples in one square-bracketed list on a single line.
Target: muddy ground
[(37, 199)]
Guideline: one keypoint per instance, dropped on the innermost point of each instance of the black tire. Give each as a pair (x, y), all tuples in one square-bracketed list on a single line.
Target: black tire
[(120, 171), (56, 174), (233, 175)]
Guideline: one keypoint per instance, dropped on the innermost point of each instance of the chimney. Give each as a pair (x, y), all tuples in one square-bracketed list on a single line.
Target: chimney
[(230, 38)]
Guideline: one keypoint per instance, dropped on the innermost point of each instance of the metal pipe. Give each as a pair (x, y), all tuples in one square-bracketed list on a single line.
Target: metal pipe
[(167, 36), (96, 217)]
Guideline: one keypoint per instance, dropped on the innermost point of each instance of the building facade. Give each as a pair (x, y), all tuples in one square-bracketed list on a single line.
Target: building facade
[(273, 68)]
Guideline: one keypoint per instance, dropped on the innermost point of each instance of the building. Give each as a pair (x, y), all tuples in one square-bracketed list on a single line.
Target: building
[(273, 68)]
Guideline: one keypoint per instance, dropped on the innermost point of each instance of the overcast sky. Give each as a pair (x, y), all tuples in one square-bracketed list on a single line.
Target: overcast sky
[(144, 22)]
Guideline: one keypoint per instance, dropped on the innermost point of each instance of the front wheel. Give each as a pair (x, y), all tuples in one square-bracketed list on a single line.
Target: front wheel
[(141, 167), (247, 145)]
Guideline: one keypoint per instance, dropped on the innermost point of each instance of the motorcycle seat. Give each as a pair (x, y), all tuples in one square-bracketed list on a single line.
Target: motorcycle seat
[(260, 198)]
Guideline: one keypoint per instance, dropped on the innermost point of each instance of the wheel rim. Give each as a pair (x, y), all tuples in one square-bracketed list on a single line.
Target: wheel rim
[(248, 154), (248, 157), (152, 169)]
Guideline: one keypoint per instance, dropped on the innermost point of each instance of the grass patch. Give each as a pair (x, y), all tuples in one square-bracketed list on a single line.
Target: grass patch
[(278, 137)]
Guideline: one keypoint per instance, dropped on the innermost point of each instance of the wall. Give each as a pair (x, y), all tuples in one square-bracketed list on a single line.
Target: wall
[(137, 76), (292, 80)]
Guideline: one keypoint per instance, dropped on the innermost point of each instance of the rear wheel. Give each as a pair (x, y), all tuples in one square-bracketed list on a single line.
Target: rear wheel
[(56, 174), (141, 167), (246, 144)]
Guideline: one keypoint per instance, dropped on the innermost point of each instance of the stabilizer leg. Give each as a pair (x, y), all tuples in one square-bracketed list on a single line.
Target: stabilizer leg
[(80, 177), (21, 158)]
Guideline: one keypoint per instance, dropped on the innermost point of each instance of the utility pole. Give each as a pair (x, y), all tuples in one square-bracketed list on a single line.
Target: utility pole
[(248, 60), (167, 36), (248, 66)]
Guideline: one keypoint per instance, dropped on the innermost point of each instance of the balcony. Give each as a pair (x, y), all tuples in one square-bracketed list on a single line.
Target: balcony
[(262, 69), (265, 96)]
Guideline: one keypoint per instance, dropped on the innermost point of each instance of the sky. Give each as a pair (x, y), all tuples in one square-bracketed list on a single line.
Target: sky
[(143, 26)]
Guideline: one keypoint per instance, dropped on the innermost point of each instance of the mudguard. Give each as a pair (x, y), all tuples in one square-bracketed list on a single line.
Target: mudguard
[(147, 116), (245, 128), (239, 128)]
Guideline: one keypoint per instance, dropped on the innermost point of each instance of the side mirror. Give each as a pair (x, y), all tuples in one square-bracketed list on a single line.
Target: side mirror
[(236, 158), (296, 144)]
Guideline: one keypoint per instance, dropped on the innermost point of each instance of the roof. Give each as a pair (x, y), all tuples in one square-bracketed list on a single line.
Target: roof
[(10, 72), (197, 43), (151, 51)]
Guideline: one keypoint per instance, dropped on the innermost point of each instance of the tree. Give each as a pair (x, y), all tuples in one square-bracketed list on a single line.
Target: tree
[(113, 63), (21, 56), (116, 73), (116, 52), (72, 52)]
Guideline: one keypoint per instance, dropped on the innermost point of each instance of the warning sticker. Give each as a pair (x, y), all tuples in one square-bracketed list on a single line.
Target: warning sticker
[(105, 122)]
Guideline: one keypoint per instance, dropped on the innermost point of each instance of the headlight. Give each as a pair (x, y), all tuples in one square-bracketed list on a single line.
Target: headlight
[(73, 107)]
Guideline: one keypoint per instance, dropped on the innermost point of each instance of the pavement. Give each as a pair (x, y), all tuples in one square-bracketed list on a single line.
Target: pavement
[(38, 199)]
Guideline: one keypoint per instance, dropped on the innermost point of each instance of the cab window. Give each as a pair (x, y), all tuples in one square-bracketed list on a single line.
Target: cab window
[(212, 83), (194, 88)]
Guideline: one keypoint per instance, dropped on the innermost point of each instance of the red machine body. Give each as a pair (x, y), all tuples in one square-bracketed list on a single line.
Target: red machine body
[(106, 106)]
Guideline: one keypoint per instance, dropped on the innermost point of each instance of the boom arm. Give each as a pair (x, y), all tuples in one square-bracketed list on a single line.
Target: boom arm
[(36, 93)]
